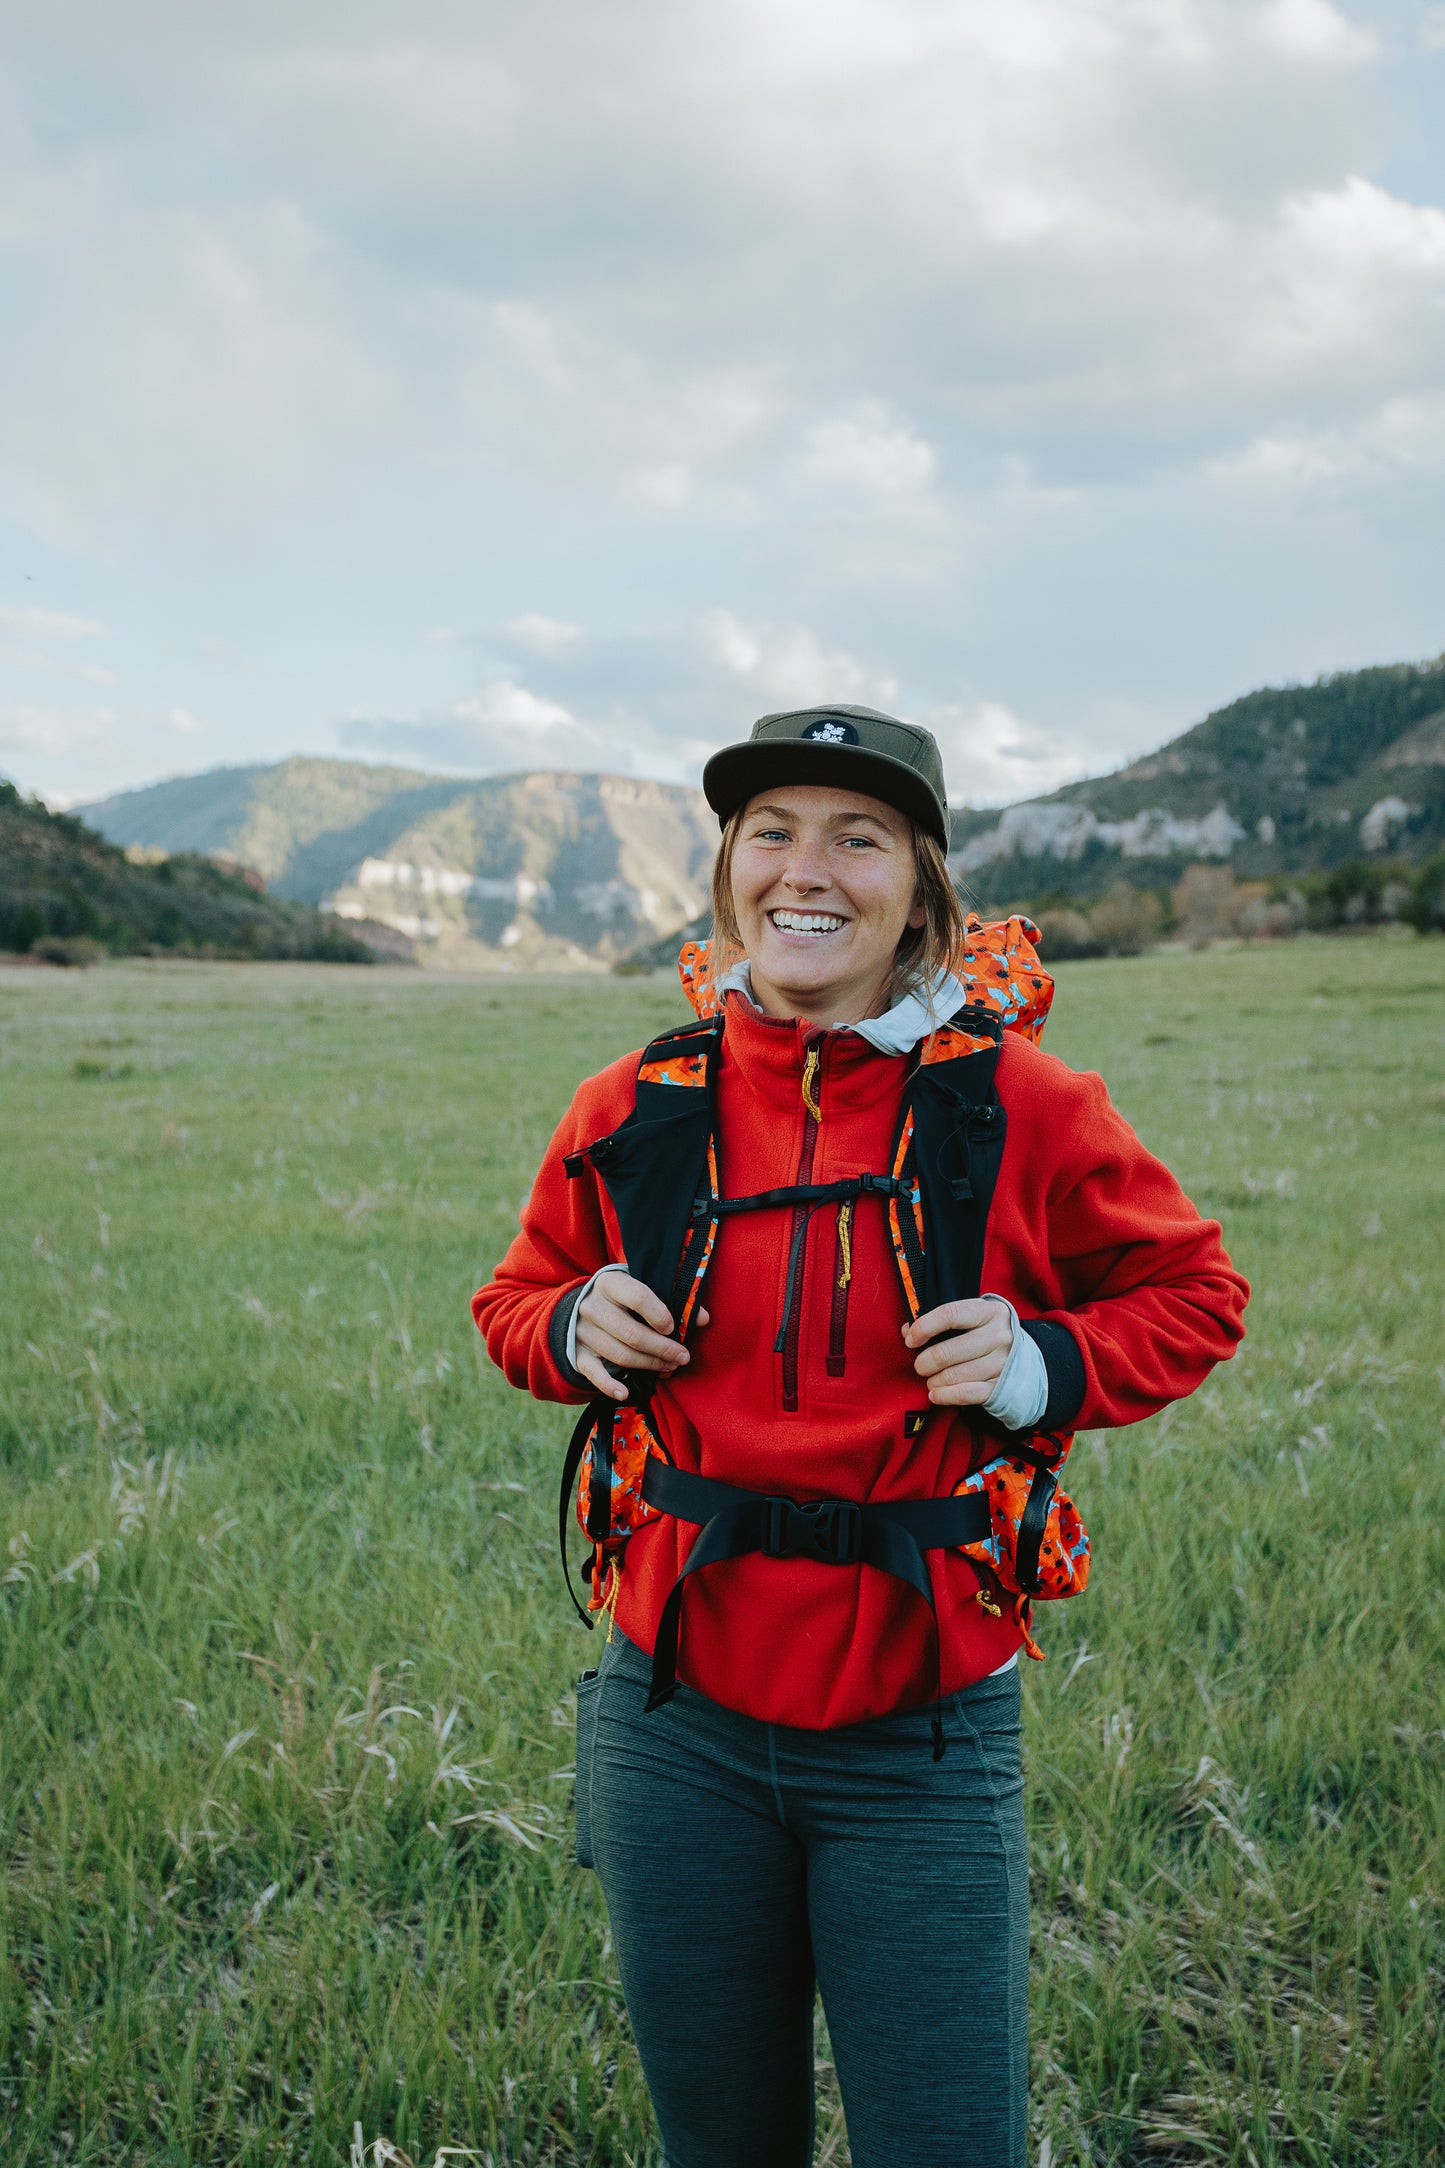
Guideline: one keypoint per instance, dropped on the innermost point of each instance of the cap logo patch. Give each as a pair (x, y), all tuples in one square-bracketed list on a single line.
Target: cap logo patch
[(831, 732)]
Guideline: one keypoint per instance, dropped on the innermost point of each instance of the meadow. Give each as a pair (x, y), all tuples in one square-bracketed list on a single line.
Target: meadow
[(286, 1726)]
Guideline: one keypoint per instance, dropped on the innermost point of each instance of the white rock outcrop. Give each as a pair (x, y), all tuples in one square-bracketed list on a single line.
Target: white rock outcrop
[(1384, 816), (1064, 831)]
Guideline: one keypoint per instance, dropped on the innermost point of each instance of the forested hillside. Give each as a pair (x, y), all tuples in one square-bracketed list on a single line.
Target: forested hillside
[(1287, 781), (62, 883)]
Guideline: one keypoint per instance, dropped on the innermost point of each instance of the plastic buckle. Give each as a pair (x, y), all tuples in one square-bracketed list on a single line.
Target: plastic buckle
[(843, 1523), (829, 1530), (774, 1541)]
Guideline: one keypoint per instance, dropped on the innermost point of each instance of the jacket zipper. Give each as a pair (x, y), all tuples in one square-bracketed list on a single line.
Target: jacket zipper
[(790, 1330), (842, 1280)]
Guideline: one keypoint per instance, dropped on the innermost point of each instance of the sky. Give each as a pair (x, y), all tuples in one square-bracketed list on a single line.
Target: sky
[(479, 387)]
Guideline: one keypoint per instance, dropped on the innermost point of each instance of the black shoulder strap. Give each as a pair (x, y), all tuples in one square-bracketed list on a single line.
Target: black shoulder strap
[(959, 1126), (656, 1166)]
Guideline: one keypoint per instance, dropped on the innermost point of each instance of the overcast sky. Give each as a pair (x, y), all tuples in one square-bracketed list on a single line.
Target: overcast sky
[(485, 386)]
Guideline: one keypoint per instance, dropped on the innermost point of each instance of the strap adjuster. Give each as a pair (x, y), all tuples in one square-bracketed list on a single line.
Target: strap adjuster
[(829, 1530)]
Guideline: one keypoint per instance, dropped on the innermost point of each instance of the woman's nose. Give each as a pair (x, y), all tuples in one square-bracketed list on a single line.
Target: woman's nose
[(805, 875)]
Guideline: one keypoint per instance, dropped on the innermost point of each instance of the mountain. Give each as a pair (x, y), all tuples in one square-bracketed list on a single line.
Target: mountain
[(547, 871), (62, 883), (1287, 781), (577, 871)]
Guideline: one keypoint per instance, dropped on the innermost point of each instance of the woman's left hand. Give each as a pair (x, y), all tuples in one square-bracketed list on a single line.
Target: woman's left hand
[(970, 1345)]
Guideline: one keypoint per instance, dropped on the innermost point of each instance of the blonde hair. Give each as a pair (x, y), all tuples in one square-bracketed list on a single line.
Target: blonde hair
[(924, 953)]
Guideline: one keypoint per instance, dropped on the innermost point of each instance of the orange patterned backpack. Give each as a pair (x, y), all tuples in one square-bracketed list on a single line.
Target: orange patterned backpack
[(660, 1170)]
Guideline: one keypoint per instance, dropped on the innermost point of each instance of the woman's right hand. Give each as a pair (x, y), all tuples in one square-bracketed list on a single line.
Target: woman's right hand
[(621, 1322)]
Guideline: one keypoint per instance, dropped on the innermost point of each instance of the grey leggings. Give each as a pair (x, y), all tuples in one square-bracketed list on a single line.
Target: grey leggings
[(744, 1862)]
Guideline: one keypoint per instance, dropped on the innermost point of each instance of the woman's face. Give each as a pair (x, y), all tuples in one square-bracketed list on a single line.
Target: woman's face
[(824, 887)]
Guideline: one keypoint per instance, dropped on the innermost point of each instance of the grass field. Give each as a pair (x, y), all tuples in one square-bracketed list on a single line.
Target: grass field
[(284, 1657)]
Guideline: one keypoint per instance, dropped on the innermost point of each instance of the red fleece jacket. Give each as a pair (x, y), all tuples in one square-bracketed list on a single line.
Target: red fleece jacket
[(1086, 1228)]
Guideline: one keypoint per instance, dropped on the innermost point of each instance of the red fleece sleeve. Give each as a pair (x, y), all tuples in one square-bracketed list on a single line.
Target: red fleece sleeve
[(1148, 1290), (563, 1239)]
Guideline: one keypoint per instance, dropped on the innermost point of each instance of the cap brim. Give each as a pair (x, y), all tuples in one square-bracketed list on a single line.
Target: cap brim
[(739, 772)]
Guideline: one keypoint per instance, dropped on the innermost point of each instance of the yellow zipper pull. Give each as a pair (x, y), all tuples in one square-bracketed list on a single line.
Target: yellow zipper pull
[(845, 1242), (810, 1075)]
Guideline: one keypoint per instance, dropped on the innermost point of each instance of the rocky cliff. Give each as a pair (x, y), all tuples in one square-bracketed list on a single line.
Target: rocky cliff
[(535, 871)]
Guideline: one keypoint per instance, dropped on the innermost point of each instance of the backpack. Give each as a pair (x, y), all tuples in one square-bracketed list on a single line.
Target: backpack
[(659, 1167)]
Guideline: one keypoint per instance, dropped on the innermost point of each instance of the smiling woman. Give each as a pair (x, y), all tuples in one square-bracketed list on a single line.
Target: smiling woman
[(823, 887), (859, 879), (839, 901), (929, 1252)]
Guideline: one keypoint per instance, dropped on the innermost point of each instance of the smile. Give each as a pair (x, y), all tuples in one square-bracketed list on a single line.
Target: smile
[(809, 923)]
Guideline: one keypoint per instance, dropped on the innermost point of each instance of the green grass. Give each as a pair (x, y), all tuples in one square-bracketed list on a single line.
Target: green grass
[(284, 1658)]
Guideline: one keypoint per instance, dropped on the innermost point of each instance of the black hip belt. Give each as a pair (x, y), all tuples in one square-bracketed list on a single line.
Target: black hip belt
[(889, 1534)]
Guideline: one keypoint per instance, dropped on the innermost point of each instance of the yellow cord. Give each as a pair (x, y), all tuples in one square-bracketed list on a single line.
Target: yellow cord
[(810, 1071), (845, 1243), (609, 1607)]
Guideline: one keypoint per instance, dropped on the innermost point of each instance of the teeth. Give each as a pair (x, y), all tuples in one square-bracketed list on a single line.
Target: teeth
[(806, 921)]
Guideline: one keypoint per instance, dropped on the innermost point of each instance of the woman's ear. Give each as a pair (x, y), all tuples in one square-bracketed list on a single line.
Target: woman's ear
[(918, 916)]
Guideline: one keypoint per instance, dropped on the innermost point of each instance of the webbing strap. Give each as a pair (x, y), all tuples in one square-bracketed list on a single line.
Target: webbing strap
[(842, 1191), (572, 1461), (889, 1534), (602, 1414), (1032, 1527)]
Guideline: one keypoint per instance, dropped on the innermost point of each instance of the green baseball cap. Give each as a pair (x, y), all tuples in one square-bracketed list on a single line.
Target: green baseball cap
[(841, 748)]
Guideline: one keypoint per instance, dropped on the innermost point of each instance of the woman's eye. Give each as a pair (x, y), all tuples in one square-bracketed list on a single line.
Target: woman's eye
[(859, 843), (771, 835)]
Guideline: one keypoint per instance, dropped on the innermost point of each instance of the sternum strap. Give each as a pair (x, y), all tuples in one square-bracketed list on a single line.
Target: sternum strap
[(812, 1193)]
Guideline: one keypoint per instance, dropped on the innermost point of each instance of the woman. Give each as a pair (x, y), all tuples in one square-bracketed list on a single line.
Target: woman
[(924, 1255)]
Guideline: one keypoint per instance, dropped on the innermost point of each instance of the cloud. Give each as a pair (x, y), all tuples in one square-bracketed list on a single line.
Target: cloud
[(104, 747), (608, 703), (27, 730), (867, 451), (196, 363), (28, 623), (728, 671), (503, 727), (788, 666), (715, 358), (1401, 444), (1362, 228), (1313, 30), (541, 634), (991, 756)]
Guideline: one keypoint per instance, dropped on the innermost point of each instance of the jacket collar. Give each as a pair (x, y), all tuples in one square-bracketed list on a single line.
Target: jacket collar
[(897, 1031)]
